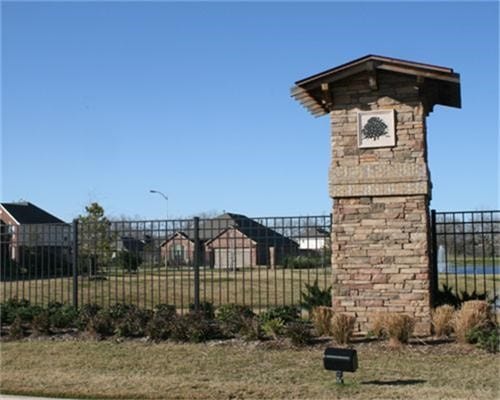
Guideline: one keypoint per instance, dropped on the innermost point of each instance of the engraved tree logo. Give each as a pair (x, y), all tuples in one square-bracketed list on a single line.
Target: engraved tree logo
[(374, 128)]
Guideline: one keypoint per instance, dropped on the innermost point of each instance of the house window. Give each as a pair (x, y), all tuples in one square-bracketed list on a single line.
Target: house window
[(177, 253)]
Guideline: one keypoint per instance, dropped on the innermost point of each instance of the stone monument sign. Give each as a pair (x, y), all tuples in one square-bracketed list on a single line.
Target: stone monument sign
[(379, 180)]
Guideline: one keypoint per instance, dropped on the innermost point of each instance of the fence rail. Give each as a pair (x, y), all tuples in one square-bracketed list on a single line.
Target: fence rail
[(466, 253), (259, 262), (229, 259)]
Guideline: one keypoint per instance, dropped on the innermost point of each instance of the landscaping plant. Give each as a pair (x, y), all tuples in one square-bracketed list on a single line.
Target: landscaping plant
[(399, 328), (472, 314), (313, 296), (321, 317), (442, 320), (342, 327)]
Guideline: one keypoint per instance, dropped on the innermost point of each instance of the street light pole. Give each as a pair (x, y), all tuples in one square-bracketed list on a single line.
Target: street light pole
[(161, 194), (166, 226)]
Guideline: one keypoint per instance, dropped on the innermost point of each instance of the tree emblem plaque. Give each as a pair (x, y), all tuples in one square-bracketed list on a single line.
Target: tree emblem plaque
[(376, 129)]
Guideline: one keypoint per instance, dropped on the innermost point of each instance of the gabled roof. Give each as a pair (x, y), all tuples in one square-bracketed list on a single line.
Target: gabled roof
[(445, 82), (28, 213), (211, 228)]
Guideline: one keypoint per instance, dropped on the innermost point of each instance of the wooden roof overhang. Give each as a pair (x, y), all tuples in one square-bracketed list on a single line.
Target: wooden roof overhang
[(439, 85)]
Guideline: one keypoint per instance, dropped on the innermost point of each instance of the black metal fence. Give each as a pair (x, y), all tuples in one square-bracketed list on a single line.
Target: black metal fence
[(228, 259), (466, 253)]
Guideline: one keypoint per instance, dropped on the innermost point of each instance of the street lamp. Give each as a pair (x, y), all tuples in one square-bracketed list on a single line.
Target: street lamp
[(161, 194), (166, 226)]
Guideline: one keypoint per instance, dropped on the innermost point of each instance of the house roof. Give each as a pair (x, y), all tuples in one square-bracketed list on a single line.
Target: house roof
[(443, 81), (314, 232), (28, 213), (132, 244), (211, 228)]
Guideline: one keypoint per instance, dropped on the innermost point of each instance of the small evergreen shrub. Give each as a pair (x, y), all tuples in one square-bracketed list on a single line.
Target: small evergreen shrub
[(194, 327), (274, 328), (16, 330), (322, 318), (399, 328), (86, 314), (442, 320), (251, 329), (165, 310), (342, 327), (231, 318), (62, 315), (101, 324), (206, 308), (128, 260), (132, 323), (313, 296), (41, 323), (286, 313), (299, 333), (485, 337)]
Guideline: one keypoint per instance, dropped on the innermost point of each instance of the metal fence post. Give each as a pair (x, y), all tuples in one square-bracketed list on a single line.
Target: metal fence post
[(434, 261), (196, 263), (75, 263)]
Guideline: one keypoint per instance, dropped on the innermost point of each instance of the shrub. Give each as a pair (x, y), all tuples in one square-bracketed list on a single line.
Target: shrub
[(321, 319), (16, 330), (62, 315), (100, 324), (274, 328), (342, 327), (41, 323), (193, 327), (128, 260), (165, 310), (160, 326), (378, 325), (251, 328), (442, 320), (314, 296), (132, 323), (87, 312), (286, 313), (8, 310), (399, 327), (485, 337), (299, 333), (206, 308), (231, 318), (307, 261), (474, 313)]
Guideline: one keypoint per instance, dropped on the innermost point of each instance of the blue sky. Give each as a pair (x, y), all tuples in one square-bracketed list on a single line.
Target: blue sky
[(105, 101)]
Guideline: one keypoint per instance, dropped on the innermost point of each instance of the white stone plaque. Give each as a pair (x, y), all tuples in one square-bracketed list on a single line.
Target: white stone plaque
[(376, 129)]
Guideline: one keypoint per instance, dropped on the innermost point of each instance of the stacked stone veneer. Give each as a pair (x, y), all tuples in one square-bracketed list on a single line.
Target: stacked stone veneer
[(380, 253)]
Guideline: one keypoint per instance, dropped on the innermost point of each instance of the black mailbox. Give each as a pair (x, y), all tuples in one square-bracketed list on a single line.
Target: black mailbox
[(340, 360)]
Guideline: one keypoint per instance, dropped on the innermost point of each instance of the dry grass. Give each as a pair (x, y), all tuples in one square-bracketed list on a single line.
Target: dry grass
[(258, 287), (399, 327), (342, 327), (442, 320), (322, 319), (378, 324), (135, 370), (472, 314)]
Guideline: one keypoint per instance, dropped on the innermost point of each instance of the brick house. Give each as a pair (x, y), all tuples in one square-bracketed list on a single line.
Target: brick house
[(229, 241), (28, 233)]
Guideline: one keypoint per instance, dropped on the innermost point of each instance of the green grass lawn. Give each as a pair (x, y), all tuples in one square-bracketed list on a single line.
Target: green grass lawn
[(236, 370)]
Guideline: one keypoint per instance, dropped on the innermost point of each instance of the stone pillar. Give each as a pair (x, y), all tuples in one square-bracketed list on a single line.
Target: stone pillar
[(379, 181)]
